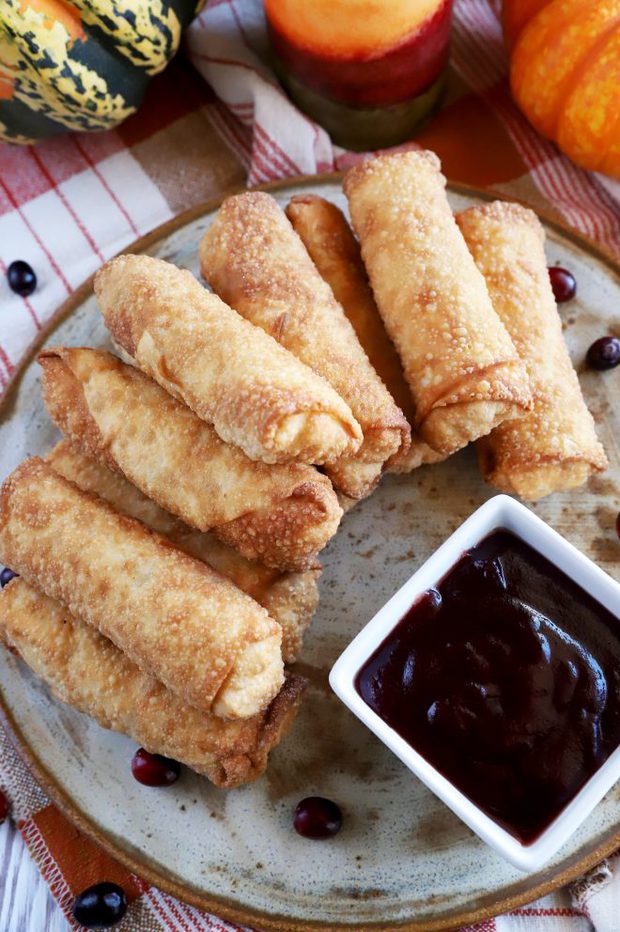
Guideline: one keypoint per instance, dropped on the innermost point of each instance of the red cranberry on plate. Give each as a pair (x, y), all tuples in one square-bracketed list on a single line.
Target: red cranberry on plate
[(101, 906), (604, 353), (21, 277), (563, 283), (6, 576), (4, 807), (154, 769), (618, 525), (317, 817)]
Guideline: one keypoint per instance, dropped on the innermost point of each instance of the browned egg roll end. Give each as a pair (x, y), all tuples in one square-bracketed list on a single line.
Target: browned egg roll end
[(290, 598), (63, 396), (253, 257), (175, 617), (332, 246), (233, 375), (89, 673), (554, 446), (459, 361), (284, 536), (282, 513)]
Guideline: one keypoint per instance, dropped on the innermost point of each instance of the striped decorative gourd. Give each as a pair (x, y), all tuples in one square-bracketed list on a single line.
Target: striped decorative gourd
[(81, 64)]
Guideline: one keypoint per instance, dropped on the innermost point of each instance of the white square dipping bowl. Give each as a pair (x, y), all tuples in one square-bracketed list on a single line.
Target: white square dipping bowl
[(497, 513)]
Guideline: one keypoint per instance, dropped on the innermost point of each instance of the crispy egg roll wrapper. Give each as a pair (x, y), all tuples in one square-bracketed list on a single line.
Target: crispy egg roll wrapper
[(257, 396), (290, 598), (461, 365), (85, 670), (282, 514), (175, 617), (554, 446), (329, 240), (255, 261)]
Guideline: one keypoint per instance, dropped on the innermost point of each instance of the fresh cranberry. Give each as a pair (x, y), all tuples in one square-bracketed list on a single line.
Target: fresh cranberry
[(604, 353), (6, 576), (154, 769), (100, 906), (563, 283), (4, 807), (618, 525), (22, 279), (316, 817)]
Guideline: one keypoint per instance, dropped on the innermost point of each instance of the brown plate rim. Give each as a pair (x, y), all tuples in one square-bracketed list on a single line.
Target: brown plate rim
[(228, 909)]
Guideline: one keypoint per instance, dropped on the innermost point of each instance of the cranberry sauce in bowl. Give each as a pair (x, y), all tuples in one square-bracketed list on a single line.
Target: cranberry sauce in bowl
[(506, 679)]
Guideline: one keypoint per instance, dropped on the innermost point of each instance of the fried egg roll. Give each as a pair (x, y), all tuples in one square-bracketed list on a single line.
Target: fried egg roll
[(554, 446), (282, 514), (329, 240), (462, 367), (86, 671), (254, 260), (290, 598), (175, 617), (256, 395)]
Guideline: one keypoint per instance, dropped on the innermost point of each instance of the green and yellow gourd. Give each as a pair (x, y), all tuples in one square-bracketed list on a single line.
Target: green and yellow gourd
[(81, 64)]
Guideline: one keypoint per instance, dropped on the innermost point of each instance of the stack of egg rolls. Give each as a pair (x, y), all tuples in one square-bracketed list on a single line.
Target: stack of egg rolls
[(140, 599), (290, 598), (463, 370), (87, 671), (329, 240), (252, 258), (553, 446), (231, 374), (174, 617), (281, 514)]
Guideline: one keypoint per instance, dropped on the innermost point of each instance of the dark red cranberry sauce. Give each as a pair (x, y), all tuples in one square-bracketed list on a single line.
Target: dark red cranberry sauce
[(506, 678)]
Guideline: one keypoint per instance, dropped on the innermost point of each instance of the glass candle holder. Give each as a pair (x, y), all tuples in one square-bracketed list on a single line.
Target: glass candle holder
[(369, 71)]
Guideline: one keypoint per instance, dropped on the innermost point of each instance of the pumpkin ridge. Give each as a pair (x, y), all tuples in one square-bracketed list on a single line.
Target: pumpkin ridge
[(575, 77)]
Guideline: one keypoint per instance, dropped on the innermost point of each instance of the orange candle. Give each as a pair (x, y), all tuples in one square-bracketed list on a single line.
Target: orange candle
[(367, 70)]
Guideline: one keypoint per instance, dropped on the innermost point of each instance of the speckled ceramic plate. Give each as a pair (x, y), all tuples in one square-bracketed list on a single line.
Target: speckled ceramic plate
[(402, 860)]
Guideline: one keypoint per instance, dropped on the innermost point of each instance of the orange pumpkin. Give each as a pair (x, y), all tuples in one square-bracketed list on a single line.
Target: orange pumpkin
[(565, 74)]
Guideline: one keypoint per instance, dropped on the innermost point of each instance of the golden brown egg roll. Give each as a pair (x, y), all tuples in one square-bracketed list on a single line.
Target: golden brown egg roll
[(329, 240), (85, 670), (554, 446), (257, 396), (462, 367), (290, 598), (282, 514), (175, 617), (253, 259)]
